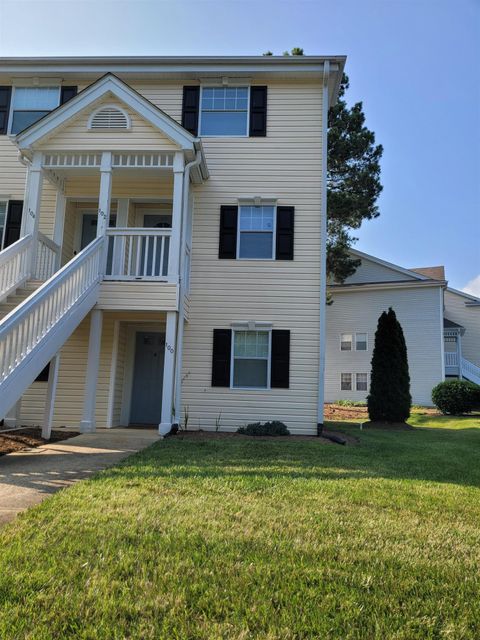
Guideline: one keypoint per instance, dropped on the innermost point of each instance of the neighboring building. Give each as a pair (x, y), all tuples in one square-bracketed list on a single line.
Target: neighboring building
[(206, 178), (441, 327)]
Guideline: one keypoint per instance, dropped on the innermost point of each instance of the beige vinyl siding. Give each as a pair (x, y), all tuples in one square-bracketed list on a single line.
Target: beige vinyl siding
[(285, 165), (419, 313), (468, 317), (119, 375), (370, 271), (136, 296), (75, 135)]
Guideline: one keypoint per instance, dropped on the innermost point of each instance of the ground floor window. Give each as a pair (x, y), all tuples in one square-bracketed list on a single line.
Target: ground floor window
[(346, 381), (362, 381), (251, 359)]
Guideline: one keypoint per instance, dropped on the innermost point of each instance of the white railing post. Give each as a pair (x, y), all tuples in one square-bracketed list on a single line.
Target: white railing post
[(50, 398), (118, 254), (31, 207), (105, 193), (168, 374), (60, 210), (174, 255), (88, 423)]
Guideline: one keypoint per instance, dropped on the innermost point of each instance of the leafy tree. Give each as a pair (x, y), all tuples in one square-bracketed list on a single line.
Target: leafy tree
[(353, 181), (267, 53), (389, 399)]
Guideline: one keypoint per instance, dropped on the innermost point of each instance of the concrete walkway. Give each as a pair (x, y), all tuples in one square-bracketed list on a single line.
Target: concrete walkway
[(28, 477)]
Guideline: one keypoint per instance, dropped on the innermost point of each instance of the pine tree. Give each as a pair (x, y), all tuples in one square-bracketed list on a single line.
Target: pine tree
[(389, 399)]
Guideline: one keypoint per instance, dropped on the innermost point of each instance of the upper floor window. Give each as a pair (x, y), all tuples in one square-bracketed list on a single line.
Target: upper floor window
[(224, 111), (346, 342), (256, 232), (360, 341), (29, 104)]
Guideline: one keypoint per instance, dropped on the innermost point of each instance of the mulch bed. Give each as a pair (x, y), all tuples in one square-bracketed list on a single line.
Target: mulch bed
[(29, 437), (340, 412), (232, 434)]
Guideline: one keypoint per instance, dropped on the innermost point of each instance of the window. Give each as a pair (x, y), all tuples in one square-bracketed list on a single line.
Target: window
[(29, 104), (346, 381), (256, 232), (361, 341), (361, 381), (224, 111), (3, 217), (346, 342), (251, 355)]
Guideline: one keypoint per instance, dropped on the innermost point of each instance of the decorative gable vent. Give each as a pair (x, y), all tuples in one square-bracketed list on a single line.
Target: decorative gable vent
[(109, 117)]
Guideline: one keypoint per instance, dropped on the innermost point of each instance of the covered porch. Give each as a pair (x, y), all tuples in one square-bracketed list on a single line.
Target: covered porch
[(452, 337)]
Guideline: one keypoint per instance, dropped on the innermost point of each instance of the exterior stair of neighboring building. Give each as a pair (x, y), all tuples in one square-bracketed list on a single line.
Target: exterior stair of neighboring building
[(470, 371), (18, 296)]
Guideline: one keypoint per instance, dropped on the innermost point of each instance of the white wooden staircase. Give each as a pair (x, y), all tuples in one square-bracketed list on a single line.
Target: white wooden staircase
[(41, 316), (469, 370)]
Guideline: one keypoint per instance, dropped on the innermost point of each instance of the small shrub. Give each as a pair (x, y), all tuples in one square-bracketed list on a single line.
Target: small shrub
[(456, 396), (273, 428), (350, 403)]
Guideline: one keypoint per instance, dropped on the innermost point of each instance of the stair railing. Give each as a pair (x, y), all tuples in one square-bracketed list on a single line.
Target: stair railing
[(14, 266)]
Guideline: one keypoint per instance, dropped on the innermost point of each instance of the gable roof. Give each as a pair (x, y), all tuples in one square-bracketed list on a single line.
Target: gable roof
[(389, 265), (471, 300), (435, 273), (110, 85)]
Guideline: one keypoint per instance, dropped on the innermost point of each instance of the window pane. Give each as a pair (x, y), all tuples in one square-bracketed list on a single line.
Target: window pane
[(256, 244), (250, 373), (3, 213), (346, 382), (239, 343), (346, 342), (253, 344), (361, 341), (245, 218), (35, 98), (361, 382), (23, 119), (224, 123)]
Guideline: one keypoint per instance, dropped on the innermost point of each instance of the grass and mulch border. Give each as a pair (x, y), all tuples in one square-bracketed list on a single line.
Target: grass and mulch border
[(30, 437)]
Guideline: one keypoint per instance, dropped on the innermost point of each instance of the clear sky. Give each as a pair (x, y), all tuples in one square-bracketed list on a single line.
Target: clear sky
[(414, 63)]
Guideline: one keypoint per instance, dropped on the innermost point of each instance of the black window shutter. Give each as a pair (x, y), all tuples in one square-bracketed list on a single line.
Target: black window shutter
[(13, 222), (227, 248), (280, 371), (258, 112), (67, 93), (191, 101), (285, 228), (222, 345), (5, 95)]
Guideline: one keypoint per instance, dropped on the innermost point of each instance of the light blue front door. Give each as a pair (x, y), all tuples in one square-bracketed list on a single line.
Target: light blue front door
[(146, 404)]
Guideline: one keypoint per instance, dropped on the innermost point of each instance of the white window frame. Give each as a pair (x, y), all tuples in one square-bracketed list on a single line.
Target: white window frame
[(366, 341), (346, 373), (28, 86), (346, 333), (273, 232), (361, 373), (230, 85), (269, 359)]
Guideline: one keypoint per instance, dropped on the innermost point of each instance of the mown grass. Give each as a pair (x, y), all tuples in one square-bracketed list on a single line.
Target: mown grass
[(258, 538)]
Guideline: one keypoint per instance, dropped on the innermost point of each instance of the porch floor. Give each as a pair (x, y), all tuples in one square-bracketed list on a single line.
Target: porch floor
[(28, 477)]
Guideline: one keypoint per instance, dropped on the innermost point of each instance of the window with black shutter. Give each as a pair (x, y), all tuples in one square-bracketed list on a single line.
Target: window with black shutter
[(285, 228), (5, 95), (228, 232), (258, 112), (221, 359), (280, 366), (191, 100), (13, 222)]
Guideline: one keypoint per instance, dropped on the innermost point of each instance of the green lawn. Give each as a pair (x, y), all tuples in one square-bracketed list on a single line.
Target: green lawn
[(245, 538)]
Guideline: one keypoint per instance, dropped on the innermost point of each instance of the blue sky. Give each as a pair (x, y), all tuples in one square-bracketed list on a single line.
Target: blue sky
[(413, 63)]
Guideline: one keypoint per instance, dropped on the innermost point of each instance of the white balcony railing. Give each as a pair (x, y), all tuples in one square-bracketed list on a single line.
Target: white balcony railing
[(451, 359), (14, 266), (137, 253), (47, 258)]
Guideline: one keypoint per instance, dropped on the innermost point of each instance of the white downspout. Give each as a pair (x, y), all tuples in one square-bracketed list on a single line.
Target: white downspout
[(181, 302), (323, 253)]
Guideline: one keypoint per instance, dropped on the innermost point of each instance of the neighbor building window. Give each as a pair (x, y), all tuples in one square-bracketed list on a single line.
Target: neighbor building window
[(29, 104), (361, 381), (256, 232), (251, 356), (361, 341), (346, 381), (346, 342), (224, 111)]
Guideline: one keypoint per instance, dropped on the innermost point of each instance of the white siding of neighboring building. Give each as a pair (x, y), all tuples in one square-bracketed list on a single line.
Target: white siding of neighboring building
[(469, 317), (420, 314), (370, 271)]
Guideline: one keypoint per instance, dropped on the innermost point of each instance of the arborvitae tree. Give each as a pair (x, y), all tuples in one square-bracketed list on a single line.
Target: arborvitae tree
[(389, 399)]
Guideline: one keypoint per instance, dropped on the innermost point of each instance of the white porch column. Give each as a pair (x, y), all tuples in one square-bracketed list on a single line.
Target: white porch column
[(60, 209), (50, 398), (168, 374), (459, 355), (174, 251), (88, 423), (31, 207), (105, 193), (119, 241)]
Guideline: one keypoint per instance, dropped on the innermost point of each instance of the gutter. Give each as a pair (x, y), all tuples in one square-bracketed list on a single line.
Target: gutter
[(181, 301), (323, 254)]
